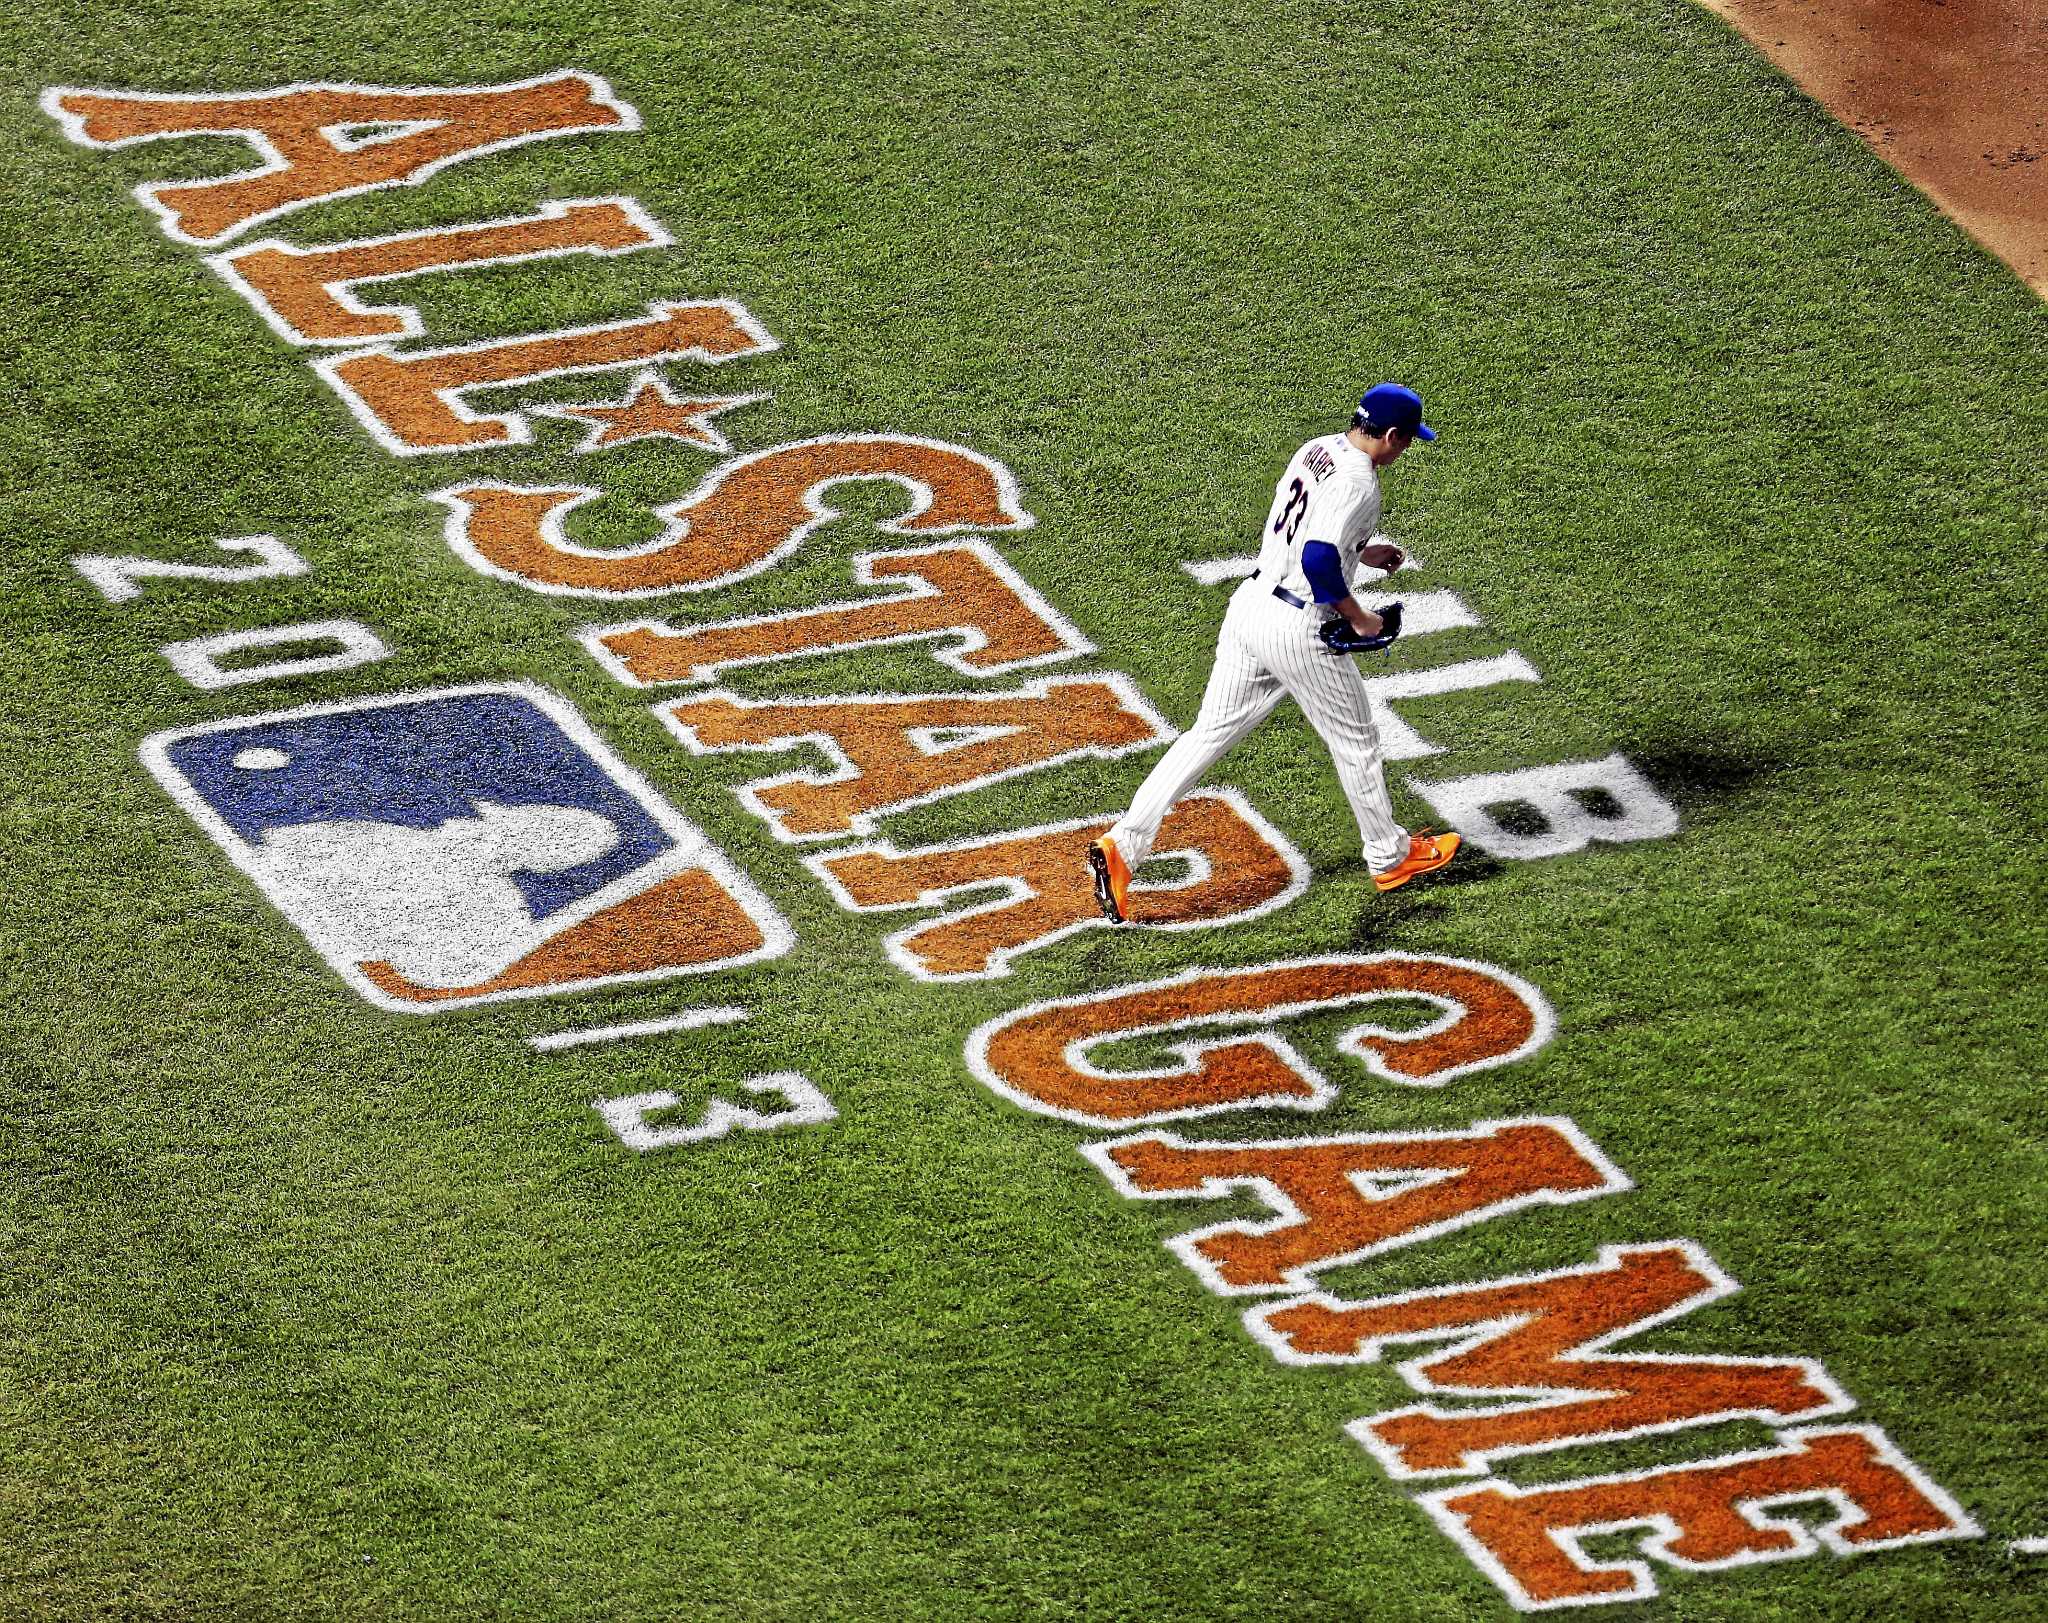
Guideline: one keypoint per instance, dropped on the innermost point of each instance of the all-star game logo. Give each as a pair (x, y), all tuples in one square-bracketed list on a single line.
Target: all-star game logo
[(476, 843), (464, 845)]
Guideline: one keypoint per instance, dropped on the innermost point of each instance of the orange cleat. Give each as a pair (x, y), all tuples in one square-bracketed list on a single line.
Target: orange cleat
[(1112, 880), (1426, 854)]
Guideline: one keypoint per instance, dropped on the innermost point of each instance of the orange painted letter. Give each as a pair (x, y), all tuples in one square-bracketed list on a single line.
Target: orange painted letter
[(749, 513), (1026, 890), (306, 294), (1341, 1200), (1700, 1518), (319, 141), (1038, 1056), (1544, 1339), (411, 402), (890, 751), (960, 593)]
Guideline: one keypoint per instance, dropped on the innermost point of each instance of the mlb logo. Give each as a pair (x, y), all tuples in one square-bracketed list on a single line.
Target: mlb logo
[(464, 845)]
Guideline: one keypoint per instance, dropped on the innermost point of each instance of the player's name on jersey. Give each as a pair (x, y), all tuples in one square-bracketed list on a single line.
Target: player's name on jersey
[(481, 844)]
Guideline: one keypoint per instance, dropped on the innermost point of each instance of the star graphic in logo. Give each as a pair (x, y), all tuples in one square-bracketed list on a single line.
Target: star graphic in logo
[(651, 411)]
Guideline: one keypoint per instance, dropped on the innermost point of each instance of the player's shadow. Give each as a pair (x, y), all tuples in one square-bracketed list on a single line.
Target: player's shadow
[(1698, 776), (1394, 916)]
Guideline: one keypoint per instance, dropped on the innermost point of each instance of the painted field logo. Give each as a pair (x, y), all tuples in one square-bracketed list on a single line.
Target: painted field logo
[(464, 845)]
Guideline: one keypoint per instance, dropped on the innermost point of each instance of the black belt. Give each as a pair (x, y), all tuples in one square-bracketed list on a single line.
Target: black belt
[(1284, 595)]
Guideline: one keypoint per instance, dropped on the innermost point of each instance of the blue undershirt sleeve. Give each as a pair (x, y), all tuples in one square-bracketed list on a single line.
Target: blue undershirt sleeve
[(1325, 571)]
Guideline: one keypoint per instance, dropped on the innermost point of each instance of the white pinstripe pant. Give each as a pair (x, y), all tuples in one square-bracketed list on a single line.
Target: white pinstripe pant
[(1268, 650)]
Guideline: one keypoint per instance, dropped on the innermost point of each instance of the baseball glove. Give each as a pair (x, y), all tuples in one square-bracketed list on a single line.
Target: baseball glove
[(1339, 638)]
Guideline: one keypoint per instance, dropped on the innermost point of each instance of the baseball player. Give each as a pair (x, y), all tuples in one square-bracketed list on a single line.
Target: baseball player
[(1289, 631)]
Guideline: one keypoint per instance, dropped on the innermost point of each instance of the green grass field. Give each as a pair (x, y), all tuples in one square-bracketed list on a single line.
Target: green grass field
[(314, 1310)]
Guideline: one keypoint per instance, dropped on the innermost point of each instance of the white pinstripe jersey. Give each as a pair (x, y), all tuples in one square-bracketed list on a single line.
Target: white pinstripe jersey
[(1329, 492)]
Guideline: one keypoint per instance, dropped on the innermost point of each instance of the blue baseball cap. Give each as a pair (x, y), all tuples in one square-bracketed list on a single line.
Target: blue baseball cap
[(1392, 406)]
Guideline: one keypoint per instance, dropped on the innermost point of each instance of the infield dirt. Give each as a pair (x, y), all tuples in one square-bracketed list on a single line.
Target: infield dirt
[(1952, 93)]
